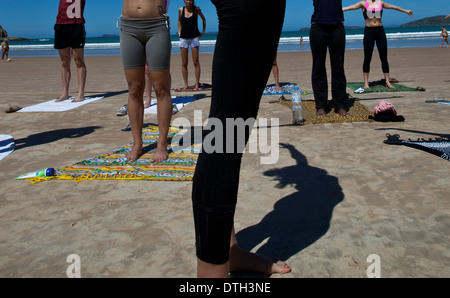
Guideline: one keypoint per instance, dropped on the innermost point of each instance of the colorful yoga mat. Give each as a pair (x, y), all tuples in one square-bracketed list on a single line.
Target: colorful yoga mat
[(179, 166)]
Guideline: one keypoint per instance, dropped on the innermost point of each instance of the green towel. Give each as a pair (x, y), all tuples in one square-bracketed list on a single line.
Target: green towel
[(380, 86)]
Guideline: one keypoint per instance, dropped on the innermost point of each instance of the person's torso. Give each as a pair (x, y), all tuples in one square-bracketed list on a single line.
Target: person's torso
[(71, 12), (327, 12), (145, 9), (189, 25), (373, 10)]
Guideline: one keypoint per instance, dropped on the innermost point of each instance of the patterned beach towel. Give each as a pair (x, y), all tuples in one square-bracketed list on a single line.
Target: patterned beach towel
[(438, 146), (286, 88), (357, 112), (179, 166)]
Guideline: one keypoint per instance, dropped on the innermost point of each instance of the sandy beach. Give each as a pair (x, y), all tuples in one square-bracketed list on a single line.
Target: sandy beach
[(336, 195)]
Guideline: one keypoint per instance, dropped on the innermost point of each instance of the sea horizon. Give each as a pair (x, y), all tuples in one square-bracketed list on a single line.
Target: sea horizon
[(109, 44)]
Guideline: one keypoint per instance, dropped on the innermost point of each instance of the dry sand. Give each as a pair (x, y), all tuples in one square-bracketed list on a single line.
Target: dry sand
[(336, 195)]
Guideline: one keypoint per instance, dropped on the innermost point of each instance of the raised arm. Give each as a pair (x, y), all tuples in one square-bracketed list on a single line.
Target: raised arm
[(447, 16), (390, 6), (355, 6)]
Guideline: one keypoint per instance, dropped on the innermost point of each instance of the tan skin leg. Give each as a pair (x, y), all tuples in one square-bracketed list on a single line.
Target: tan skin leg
[(196, 61), (66, 58), (388, 81), (366, 80), (276, 73), (162, 84), (136, 85), (184, 66), (78, 57), (148, 88), (241, 260)]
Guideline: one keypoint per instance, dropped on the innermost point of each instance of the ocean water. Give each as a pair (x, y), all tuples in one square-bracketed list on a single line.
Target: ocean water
[(289, 42)]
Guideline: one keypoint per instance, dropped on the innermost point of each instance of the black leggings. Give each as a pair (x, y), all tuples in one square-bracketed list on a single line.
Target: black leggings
[(249, 31), (372, 35), (332, 38)]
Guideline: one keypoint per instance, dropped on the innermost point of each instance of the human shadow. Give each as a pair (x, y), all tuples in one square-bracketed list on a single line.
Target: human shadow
[(299, 219), (53, 135), (108, 93)]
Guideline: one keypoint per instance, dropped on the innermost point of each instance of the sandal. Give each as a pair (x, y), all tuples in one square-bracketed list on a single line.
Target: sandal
[(420, 88), (13, 109)]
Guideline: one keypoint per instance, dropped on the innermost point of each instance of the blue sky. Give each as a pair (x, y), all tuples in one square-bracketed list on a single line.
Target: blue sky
[(35, 18)]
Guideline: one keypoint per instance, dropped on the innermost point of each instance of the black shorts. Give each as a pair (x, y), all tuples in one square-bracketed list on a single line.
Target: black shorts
[(69, 36)]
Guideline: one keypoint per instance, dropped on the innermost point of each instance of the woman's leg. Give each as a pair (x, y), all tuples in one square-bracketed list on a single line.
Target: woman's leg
[(238, 57), (383, 53), (319, 45), (338, 79), (136, 85), (161, 83), (196, 60), (184, 65), (369, 44), (66, 59), (148, 88)]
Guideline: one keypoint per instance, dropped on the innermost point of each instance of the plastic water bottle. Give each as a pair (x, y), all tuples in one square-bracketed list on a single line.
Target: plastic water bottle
[(297, 111)]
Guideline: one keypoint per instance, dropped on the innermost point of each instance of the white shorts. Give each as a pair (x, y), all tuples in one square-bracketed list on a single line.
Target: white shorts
[(189, 42)]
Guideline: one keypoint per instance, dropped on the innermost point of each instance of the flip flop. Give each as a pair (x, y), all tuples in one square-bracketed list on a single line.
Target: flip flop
[(12, 109), (420, 88)]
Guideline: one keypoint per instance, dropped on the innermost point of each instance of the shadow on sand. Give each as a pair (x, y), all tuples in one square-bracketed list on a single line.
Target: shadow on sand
[(299, 219), (53, 135)]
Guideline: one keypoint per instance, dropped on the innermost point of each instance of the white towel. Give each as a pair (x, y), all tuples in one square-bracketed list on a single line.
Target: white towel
[(6, 145), (179, 101), (61, 106)]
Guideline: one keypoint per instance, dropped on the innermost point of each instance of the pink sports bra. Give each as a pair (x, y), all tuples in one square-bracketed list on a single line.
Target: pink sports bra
[(374, 12)]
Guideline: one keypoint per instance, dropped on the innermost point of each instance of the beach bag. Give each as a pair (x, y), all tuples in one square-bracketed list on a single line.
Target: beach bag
[(386, 112)]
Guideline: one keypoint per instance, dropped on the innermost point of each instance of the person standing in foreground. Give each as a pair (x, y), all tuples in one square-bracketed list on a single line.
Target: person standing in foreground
[(374, 32), (70, 38), (145, 36), (238, 57), (189, 37), (328, 32)]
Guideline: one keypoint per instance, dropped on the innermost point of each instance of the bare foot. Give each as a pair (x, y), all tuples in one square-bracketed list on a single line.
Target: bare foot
[(390, 86), (243, 261), (63, 97), (78, 99), (147, 104), (161, 154), (342, 112), (321, 113), (366, 87), (135, 153)]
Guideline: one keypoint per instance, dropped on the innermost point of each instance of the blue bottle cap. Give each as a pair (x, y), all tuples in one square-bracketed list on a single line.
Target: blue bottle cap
[(50, 172)]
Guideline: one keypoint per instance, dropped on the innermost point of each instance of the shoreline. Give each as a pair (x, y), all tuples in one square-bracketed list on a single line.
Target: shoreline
[(338, 196)]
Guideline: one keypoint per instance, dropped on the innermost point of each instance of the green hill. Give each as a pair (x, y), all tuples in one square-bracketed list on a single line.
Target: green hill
[(430, 21)]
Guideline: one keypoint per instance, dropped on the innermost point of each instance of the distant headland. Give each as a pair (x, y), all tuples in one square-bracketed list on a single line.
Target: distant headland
[(429, 21)]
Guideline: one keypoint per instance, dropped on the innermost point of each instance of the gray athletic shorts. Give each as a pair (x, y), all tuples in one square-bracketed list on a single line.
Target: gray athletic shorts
[(144, 40)]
